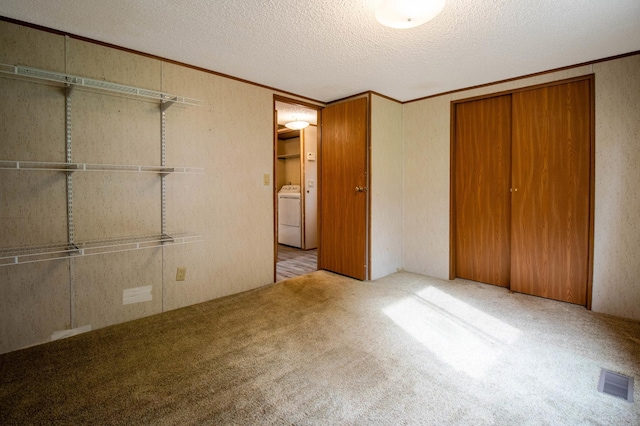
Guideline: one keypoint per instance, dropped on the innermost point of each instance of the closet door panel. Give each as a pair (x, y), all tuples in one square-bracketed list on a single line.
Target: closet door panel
[(482, 182), (551, 187)]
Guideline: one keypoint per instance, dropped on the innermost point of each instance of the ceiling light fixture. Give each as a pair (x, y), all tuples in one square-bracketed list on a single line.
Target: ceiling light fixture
[(296, 124), (407, 13)]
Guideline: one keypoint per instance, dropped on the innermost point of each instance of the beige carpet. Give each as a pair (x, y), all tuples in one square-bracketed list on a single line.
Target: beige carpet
[(324, 349)]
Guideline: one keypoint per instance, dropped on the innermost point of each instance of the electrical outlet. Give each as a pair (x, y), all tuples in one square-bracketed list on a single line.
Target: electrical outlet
[(181, 273)]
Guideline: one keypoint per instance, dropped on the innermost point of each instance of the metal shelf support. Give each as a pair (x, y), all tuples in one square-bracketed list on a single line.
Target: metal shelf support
[(68, 127), (163, 159)]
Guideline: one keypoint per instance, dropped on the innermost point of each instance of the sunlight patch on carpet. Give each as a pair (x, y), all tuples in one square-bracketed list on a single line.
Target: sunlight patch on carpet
[(460, 335)]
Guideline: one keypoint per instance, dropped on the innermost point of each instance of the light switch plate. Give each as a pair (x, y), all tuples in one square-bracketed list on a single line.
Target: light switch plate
[(181, 273), (266, 179)]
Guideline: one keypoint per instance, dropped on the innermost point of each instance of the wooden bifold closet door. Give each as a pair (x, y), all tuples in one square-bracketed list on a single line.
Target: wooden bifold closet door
[(522, 187), (550, 202), (483, 179)]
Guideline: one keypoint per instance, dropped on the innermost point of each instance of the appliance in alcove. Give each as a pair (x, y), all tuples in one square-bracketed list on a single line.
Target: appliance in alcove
[(289, 216)]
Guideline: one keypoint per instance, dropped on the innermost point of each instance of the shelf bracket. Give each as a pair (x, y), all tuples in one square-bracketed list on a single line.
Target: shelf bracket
[(165, 104), (74, 250), (68, 89)]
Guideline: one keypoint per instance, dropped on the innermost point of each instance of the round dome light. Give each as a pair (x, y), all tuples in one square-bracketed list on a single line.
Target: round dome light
[(296, 125), (407, 13)]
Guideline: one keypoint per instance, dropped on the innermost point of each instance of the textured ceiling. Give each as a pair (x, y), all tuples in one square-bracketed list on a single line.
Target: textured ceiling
[(330, 49)]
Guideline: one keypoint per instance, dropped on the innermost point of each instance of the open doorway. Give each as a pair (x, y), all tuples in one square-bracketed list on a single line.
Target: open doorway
[(295, 188)]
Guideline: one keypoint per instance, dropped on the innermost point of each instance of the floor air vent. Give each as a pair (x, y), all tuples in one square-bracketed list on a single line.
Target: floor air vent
[(616, 384)]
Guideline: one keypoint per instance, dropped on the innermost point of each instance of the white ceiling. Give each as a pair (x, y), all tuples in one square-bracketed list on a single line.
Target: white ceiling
[(330, 49)]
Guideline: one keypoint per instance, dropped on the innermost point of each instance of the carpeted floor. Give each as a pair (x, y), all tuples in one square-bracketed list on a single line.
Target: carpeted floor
[(325, 349)]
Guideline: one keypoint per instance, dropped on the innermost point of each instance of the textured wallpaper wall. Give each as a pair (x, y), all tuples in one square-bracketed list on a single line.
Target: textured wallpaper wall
[(386, 186), (616, 288)]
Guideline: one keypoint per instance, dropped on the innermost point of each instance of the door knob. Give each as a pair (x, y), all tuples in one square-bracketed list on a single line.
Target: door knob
[(361, 188)]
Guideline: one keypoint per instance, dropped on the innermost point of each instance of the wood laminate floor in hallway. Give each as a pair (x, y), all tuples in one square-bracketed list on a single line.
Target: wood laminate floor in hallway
[(293, 262)]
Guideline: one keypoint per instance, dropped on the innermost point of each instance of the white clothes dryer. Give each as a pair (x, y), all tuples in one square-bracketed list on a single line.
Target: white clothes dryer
[(289, 216)]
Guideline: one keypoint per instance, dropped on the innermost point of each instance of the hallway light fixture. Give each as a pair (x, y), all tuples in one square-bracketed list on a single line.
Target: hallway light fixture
[(407, 13), (296, 124)]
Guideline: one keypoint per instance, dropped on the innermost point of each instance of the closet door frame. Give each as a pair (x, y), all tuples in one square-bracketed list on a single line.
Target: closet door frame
[(452, 172)]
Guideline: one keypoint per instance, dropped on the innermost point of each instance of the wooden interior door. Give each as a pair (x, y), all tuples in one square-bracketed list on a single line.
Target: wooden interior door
[(551, 189), (343, 195), (482, 184)]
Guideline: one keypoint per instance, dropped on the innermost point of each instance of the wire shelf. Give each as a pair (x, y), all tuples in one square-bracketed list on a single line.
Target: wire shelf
[(74, 80), (22, 255), (86, 167)]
